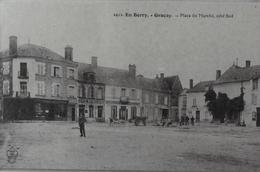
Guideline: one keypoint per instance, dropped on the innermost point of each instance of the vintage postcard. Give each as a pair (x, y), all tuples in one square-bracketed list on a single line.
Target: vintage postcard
[(128, 85)]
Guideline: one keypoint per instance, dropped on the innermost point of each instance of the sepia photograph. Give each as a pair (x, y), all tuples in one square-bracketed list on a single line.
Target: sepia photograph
[(130, 85)]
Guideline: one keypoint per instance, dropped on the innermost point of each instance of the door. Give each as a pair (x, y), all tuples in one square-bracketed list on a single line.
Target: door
[(197, 116), (100, 111), (73, 114), (123, 113), (258, 117)]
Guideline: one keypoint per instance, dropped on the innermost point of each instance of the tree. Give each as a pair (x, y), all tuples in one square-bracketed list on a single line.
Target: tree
[(222, 106), (210, 98)]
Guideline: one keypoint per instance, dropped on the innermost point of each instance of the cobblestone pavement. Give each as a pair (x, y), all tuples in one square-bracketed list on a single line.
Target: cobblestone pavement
[(57, 145)]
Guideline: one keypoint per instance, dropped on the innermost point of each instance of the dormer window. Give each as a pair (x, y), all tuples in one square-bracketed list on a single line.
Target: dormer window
[(89, 77)]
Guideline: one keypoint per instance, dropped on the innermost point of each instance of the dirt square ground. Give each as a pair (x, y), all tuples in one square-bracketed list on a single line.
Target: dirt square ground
[(58, 145)]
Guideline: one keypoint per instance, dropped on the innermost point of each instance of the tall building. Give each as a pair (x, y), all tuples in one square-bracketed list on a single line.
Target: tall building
[(38, 83)]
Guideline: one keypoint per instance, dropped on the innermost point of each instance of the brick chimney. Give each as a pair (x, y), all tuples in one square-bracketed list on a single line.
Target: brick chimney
[(248, 63), (161, 75), (68, 53), (132, 70), (218, 74), (12, 45), (94, 61), (191, 83)]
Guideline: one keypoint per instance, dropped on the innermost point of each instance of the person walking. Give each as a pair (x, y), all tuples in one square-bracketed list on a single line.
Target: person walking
[(192, 120), (82, 121)]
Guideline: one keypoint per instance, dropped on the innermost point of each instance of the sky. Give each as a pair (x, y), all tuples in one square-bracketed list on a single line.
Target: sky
[(193, 48)]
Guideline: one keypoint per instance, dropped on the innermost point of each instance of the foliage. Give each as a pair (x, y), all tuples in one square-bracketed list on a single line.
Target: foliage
[(221, 105)]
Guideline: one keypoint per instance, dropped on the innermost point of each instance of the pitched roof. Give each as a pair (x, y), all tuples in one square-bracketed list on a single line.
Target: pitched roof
[(121, 77), (238, 74), (200, 87), (35, 51)]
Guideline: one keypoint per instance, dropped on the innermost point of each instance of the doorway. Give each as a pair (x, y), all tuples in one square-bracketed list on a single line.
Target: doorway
[(123, 113), (258, 117), (197, 116), (73, 114)]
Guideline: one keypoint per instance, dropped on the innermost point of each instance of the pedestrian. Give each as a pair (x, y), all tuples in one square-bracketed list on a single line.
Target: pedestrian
[(192, 120), (82, 121), (187, 120)]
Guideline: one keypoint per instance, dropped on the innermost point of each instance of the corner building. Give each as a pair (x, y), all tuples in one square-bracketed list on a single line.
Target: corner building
[(37, 83)]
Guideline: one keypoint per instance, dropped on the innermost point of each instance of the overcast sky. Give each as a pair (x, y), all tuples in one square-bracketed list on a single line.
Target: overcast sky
[(188, 47)]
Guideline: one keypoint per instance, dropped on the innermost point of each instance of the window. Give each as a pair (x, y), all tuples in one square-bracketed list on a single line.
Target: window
[(91, 92), (82, 91), (165, 100), (253, 116), (133, 112), (23, 88), (91, 111), (113, 92), (156, 98), (255, 84), (71, 73), (41, 68), (6, 68), (133, 94), (100, 93), (40, 88), (123, 91), (56, 71), (184, 101), (71, 91), (146, 98), (6, 87), (114, 112), (194, 102), (56, 89), (23, 69), (254, 99)]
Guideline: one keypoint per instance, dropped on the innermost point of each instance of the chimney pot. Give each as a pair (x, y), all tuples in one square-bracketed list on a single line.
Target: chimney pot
[(94, 61), (218, 74), (162, 75), (248, 63), (12, 45), (132, 70), (191, 83), (68, 53)]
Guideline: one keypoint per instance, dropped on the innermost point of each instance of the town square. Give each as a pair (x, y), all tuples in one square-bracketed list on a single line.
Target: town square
[(86, 87)]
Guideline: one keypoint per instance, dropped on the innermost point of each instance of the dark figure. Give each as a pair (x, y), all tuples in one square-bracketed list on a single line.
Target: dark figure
[(82, 121), (187, 120), (192, 120)]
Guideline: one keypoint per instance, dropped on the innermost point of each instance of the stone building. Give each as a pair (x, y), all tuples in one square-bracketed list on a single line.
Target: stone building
[(37, 83)]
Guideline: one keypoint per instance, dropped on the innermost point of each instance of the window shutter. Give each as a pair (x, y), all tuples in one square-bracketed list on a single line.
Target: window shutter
[(61, 73), (52, 89), (52, 70)]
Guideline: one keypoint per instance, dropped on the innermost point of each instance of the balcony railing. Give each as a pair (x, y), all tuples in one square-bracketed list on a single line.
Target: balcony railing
[(23, 75), (124, 100), (22, 94)]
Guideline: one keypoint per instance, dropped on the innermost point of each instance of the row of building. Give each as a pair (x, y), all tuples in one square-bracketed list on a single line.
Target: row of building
[(38, 83), (192, 100)]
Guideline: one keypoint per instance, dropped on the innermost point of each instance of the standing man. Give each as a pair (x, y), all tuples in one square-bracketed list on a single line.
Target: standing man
[(82, 121)]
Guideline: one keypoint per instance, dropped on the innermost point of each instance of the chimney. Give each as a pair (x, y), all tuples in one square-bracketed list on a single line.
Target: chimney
[(132, 70), (248, 63), (94, 61), (162, 75), (12, 45), (191, 83), (218, 74), (68, 53)]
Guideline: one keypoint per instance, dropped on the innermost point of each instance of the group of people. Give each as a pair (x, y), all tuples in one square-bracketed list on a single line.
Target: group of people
[(185, 120)]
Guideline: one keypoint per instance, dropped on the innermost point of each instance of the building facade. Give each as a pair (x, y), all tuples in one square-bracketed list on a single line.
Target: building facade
[(38, 83), (247, 78)]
